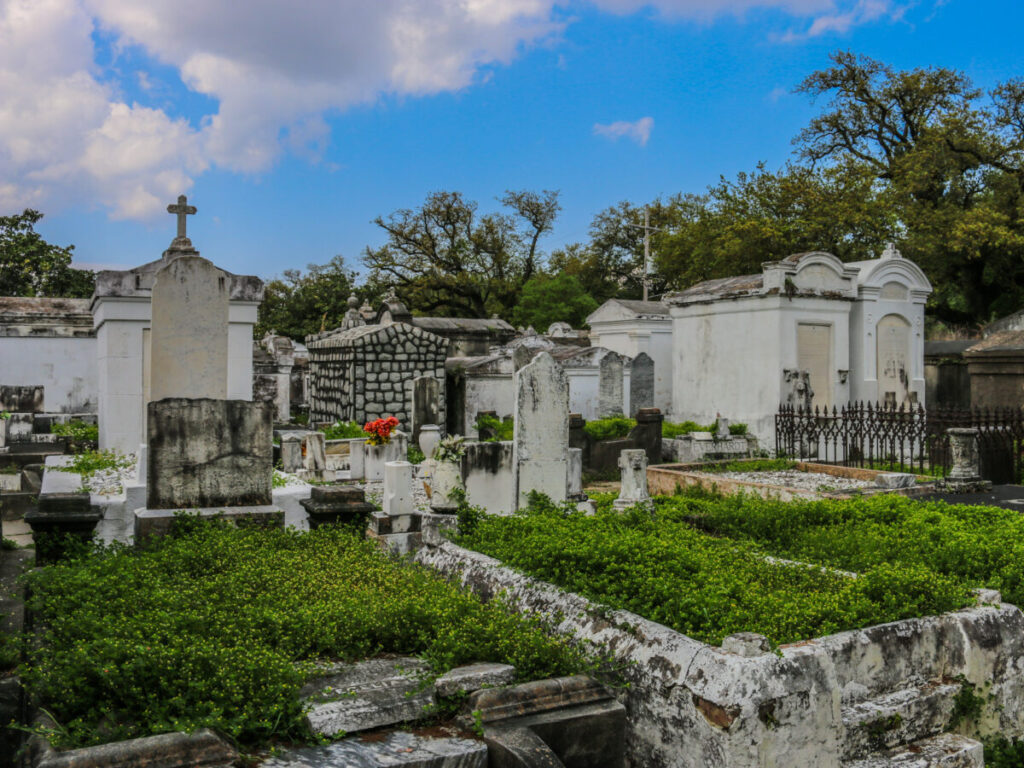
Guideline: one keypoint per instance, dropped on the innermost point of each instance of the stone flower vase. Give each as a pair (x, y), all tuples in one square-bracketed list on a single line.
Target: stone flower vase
[(376, 456), (430, 436), (446, 477)]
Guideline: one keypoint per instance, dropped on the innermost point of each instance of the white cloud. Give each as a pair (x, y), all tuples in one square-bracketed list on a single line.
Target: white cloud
[(273, 69), (638, 131), (841, 20)]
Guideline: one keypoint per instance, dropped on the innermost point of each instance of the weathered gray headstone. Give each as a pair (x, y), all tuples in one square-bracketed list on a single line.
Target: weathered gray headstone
[(291, 453), (426, 404), (541, 435), (633, 463), (641, 384), (315, 459), (209, 453), (609, 386), (189, 337)]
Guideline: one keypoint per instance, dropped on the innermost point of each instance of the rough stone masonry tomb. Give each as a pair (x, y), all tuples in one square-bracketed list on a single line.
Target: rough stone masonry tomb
[(431, 542)]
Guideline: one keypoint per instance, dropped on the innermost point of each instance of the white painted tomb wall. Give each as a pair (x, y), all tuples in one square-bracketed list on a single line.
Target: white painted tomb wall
[(64, 366)]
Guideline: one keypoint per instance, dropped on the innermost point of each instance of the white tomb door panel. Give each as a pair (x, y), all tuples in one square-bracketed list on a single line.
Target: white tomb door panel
[(893, 350), (814, 355)]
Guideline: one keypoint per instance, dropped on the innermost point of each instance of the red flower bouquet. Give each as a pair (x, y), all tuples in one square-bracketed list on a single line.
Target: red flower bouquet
[(379, 431)]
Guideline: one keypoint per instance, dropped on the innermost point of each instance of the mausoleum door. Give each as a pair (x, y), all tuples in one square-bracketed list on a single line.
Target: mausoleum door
[(893, 350), (814, 355)]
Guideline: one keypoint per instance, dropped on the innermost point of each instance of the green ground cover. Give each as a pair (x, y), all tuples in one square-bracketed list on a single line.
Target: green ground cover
[(216, 626), (976, 545), (665, 569), (672, 429)]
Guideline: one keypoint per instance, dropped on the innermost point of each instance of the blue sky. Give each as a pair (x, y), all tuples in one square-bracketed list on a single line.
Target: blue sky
[(292, 130)]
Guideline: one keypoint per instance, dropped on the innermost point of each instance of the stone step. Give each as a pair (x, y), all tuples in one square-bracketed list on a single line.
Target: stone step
[(398, 749), (897, 718), (947, 750)]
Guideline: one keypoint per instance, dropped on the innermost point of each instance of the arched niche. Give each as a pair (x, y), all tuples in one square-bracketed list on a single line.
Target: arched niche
[(893, 336)]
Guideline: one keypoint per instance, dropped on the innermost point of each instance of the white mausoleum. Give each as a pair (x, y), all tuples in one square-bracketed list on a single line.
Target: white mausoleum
[(808, 329)]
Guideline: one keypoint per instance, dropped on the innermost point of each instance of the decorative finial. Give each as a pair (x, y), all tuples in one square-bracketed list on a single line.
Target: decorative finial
[(353, 302), (890, 251)]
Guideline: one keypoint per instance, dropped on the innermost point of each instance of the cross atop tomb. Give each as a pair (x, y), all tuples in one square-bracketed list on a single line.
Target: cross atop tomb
[(181, 243)]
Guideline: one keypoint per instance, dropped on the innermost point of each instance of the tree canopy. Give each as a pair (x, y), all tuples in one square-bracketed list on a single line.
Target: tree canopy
[(30, 266), (298, 304), (445, 259)]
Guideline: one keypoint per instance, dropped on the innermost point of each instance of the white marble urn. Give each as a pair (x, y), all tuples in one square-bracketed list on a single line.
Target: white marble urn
[(430, 436)]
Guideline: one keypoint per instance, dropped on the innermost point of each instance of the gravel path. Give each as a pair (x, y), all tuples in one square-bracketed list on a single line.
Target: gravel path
[(791, 478)]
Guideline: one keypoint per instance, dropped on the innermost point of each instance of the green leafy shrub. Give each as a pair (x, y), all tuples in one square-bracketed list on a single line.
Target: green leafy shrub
[(214, 626), (340, 430), (414, 455), (89, 463), (671, 429), (496, 429), (704, 586), (81, 436), (979, 546), (451, 449), (1001, 752), (611, 428)]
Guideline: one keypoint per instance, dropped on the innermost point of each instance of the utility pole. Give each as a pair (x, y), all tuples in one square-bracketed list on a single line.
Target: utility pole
[(646, 249), (647, 246)]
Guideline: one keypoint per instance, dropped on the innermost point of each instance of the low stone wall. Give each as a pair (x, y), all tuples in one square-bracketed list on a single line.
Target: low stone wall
[(670, 478), (818, 702)]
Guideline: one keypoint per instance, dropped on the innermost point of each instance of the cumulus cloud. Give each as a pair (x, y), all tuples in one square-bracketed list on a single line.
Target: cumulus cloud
[(272, 70), (638, 131)]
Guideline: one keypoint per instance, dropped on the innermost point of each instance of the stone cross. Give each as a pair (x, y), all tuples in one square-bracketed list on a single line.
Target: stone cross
[(182, 209)]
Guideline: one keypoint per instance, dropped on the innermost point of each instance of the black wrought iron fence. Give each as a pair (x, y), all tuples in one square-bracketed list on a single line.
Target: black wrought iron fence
[(904, 438)]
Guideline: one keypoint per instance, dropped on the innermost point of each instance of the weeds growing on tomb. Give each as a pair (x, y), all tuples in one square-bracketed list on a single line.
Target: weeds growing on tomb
[(81, 436), (341, 430), (611, 428), (214, 627), (671, 429), (497, 429), (707, 587), (89, 463)]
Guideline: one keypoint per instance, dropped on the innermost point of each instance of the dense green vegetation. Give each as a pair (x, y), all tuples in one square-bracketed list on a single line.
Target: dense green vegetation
[(978, 546), (494, 428), (340, 430), (707, 587), (214, 625), (610, 428), (671, 429), (80, 436)]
